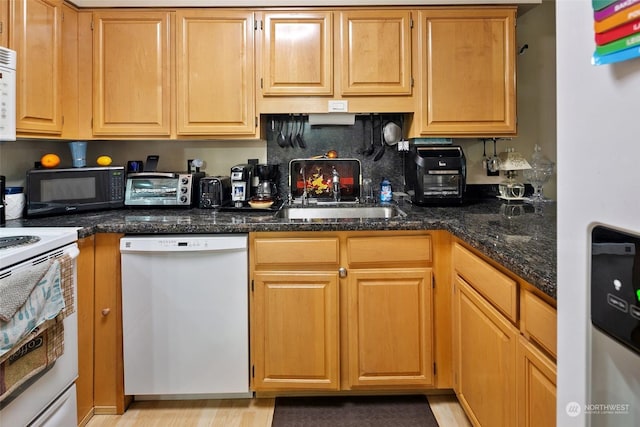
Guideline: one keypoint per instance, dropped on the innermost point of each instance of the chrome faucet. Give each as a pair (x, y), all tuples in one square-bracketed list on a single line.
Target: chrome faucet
[(336, 185), (304, 186)]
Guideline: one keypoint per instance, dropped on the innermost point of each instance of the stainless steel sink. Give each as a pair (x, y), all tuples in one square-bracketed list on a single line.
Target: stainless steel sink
[(339, 212)]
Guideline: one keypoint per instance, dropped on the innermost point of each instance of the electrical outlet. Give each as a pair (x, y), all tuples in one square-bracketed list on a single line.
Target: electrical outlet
[(338, 106), (403, 145)]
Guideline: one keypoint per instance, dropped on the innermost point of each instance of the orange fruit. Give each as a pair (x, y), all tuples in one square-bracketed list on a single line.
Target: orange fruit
[(104, 160), (50, 160)]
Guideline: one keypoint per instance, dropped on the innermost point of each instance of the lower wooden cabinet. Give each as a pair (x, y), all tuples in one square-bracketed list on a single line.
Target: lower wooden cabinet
[(332, 313), (295, 326), (505, 372), (100, 383), (108, 385), (485, 349), (389, 327), (85, 288), (536, 387)]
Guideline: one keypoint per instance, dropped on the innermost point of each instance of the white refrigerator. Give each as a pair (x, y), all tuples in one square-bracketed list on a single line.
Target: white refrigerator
[(598, 178)]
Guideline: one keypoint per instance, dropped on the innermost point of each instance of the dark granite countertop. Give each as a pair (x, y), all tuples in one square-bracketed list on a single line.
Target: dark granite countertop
[(515, 235)]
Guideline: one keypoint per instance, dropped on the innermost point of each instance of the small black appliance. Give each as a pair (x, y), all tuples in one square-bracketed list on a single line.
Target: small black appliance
[(436, 175), (215, 191), (241, 177)]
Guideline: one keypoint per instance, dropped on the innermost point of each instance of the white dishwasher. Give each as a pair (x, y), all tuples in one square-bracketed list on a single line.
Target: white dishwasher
[(185, 316)]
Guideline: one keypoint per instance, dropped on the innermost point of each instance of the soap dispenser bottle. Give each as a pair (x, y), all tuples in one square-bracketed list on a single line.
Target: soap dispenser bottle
[(385, 191)]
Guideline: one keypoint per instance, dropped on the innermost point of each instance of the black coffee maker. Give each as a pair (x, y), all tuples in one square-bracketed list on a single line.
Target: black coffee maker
[(268, 176)]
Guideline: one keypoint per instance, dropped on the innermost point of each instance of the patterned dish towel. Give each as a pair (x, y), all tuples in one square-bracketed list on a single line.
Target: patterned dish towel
[(33, 356), (16, 288), (44, 302)]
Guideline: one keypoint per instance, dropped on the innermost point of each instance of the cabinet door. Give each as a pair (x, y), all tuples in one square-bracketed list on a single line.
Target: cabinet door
[(390, 327), (376, 52), (467, 72), (297, 53), (36, 35), (108, 386), (131, 58), (295, 331), (85, 289), (536, 387), (485, 352), (215, 73)]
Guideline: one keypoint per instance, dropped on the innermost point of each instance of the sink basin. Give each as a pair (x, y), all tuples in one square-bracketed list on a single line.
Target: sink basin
[(338, 212)]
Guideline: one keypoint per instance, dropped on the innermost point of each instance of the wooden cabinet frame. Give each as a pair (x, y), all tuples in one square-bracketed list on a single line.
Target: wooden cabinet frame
[(374, 278)]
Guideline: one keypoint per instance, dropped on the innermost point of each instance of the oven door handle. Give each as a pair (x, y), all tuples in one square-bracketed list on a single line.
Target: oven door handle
[(152, 175)]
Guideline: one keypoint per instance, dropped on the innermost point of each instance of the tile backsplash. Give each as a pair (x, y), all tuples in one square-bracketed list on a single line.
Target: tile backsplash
[(349, 142)]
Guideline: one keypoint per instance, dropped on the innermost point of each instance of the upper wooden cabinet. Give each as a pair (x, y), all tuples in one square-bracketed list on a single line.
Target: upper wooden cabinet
[(308, 58), (467, 72), (297, 53), (131, 73), (375, 52), (215, 72), (36, 35), (196, 73)]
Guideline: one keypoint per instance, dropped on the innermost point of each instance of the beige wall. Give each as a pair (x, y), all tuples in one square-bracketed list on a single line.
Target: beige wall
[(17, 157)]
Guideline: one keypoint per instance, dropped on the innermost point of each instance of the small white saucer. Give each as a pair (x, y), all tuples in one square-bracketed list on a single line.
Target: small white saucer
[(512, 199)]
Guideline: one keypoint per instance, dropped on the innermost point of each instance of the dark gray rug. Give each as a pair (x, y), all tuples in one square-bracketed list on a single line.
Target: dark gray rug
[(353, 411)]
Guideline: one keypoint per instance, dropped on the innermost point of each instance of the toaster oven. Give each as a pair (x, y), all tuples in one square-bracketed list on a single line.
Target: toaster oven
[(162, 189)]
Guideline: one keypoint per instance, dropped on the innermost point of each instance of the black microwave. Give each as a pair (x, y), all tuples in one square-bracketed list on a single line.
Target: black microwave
[(59, 191)]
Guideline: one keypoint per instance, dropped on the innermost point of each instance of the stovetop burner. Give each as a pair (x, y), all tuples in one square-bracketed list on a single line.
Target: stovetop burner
[(13, 241)]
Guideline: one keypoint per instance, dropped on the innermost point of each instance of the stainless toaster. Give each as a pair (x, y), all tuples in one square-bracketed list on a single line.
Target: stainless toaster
[(215, 191)]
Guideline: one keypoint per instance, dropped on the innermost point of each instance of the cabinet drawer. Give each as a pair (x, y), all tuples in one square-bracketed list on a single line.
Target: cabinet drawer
[(539, 322), (492, 284), (296, 251), (397, 249)]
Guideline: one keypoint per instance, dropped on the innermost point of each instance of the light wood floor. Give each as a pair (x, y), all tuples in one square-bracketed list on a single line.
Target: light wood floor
[(237, 413)]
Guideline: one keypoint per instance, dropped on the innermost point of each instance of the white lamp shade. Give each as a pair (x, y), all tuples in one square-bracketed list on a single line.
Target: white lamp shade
[(511, 160)]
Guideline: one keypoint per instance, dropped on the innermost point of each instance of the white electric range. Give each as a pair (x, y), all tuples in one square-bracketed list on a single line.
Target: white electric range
[(48, 399), (18, 244)]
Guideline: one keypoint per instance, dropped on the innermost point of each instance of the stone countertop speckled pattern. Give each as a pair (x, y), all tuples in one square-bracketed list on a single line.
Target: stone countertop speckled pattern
[(515, 235)]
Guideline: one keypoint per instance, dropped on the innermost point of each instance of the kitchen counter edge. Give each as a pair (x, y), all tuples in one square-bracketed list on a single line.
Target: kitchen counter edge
[(518, 237)]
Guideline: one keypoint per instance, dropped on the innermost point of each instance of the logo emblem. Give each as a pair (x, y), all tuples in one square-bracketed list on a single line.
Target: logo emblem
[(573, 409)]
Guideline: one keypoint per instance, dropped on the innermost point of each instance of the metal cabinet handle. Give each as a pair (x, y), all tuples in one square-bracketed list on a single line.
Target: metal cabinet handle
[(342, 272), (106, 311)]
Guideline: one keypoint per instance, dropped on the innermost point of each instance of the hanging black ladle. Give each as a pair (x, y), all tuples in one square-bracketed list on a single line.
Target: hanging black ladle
[(369, 151)]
